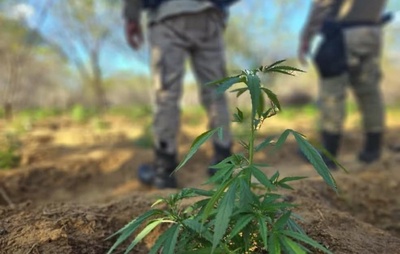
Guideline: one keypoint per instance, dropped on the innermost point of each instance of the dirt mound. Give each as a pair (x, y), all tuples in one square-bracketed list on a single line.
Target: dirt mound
[(75, 188)]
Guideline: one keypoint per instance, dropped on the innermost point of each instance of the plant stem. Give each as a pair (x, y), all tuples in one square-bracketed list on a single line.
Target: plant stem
[(251, 147)]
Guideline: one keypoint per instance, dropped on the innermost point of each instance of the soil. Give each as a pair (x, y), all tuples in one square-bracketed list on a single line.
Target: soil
[(76, 185)]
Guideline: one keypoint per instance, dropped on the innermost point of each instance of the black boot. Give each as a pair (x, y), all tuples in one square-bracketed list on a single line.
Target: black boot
[(372, 147), (158, 174), (331, 142), (220, 154)]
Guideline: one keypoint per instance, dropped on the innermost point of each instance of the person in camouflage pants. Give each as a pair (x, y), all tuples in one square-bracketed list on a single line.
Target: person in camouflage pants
[(360, 24), (177, 30)]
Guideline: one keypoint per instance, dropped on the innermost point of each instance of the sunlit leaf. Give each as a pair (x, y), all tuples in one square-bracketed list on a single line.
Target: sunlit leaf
[(144, 233)]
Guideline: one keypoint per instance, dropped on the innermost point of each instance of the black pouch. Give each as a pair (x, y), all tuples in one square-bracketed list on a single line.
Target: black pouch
[(330, 58), (152, 4)]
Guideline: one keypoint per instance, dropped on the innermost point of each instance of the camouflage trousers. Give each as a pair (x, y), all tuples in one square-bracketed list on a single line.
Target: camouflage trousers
[(198, 37), (363, 45)]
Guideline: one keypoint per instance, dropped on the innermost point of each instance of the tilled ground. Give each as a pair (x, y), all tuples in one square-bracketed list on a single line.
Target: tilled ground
[(76, 186)]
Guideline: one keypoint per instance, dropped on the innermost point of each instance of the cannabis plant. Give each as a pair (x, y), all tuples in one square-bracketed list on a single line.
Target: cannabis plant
[(243, 212)]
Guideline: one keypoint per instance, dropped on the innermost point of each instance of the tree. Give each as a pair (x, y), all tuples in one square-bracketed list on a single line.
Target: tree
[(264, 36), (17, 41), (83, 30)]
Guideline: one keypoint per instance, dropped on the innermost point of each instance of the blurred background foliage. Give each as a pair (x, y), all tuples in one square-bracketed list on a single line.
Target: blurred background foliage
[(60, 54)]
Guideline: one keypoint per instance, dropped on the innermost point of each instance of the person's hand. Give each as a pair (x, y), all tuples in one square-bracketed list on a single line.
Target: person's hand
[(303, 52), (133, 34)]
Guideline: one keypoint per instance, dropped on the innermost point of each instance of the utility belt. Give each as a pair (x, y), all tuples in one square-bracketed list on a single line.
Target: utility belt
[(331, 57), (153, 4)]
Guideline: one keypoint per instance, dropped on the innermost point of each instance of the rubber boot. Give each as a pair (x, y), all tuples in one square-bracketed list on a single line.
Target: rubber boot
[(372, 147), (220, 154), (331, 142), (158, 174)]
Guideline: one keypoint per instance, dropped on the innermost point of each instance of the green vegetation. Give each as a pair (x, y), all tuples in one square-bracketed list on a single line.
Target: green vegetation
[(9, 157), (238, 215), (81, 114)]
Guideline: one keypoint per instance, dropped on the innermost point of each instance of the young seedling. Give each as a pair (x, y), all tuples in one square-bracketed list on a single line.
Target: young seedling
[(239, 215)]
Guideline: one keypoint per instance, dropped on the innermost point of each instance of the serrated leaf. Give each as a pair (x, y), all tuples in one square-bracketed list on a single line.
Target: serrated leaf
[(144, 233), (201, 192), (224, 213), (161, 240), (266, 68), (240, 91), (275, 177), (200, 204), (287, 70), (225, 85), (220, 81), (244, 144), (291, 246), (272, 96), (274, 246), (261, 165), (222, 173), (253, 83), (246, 196), (130, 228), (169, 246), (282, 139), (241, 223), (282, 221), (262, 178), (263, 232), (266, 142), (285, 186), (238, 116), (271, 197), (315, 159), (261, 105), (293, 226), (198, 228), (292, 178), (217, 195), (196, 145), (268, 113), (305, 239)]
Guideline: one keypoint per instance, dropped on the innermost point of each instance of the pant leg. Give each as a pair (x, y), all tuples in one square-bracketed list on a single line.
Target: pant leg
[(364, 46), (332, 98), (208, 60), (167, 57)]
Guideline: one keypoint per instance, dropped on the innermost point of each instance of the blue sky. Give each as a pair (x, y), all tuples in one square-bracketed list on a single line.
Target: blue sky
[(126, 59)]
